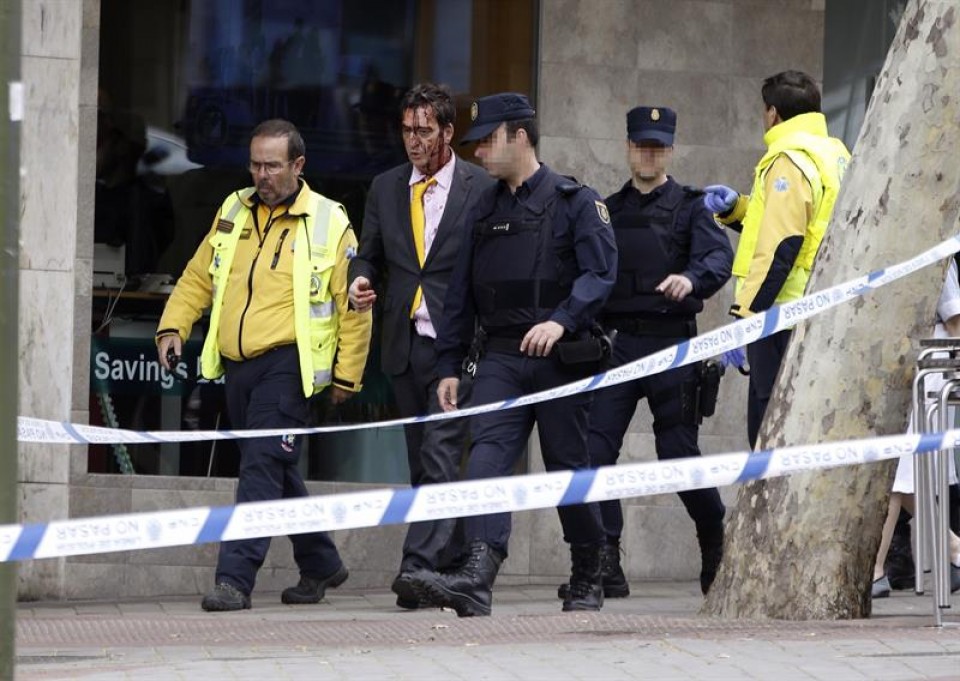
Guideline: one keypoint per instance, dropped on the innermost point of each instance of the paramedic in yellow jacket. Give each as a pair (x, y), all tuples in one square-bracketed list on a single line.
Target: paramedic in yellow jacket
[(783, 219), (273, 271)]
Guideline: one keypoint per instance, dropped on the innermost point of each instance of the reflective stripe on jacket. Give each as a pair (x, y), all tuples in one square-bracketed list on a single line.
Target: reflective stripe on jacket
[(822, 161), (315, 247)]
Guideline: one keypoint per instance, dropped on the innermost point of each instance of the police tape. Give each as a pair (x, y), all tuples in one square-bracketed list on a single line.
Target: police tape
[(374, 508), (706, 345)]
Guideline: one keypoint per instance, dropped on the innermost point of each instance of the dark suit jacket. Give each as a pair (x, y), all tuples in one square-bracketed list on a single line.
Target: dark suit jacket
[(387, 254)]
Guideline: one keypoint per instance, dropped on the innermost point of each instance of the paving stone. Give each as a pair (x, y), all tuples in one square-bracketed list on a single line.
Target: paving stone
[(354, 635)]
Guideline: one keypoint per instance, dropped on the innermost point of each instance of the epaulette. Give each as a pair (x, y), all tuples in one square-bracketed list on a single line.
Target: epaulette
[(568, 185)]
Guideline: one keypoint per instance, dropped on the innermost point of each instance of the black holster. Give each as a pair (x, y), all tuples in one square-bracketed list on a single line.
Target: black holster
[(596, 348), (711, 372), (698, 396)]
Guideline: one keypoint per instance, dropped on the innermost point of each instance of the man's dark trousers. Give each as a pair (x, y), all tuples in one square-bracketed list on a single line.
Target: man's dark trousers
[(764, 357), (434, 451), (675, 438), (499, 439), (267, 392)]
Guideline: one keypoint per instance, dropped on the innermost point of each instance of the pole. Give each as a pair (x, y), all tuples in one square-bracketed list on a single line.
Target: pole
[(11, 111)]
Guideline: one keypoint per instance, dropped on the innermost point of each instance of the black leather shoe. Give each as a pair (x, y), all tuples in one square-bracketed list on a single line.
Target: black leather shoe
[(711, 554), (406, 595), (225, 597), (310, 590), (899, 566), (586, 580), (469, 589), (614, 580)]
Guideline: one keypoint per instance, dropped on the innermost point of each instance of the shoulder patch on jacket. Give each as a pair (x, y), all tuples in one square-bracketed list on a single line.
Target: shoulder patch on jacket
[(602, 211)]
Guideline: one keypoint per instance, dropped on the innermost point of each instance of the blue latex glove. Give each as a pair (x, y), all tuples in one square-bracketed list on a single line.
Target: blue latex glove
[(734, 358), (719, 198)]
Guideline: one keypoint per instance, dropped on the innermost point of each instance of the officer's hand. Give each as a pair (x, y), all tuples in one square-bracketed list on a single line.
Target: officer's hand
[(719, 198), (676, 287), (170, 341), (540, 340), (734, 358), (361, 294), (447, 393)]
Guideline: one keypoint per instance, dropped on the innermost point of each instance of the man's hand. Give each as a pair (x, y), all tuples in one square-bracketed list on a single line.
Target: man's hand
[(447, 393), (339, 395), (361, 294), (676, 287), (165, 344), (719, 198), (540, 340)]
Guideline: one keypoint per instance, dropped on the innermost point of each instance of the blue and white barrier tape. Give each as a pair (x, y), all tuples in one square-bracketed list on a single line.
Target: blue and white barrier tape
[(137, 531), (710, 344)]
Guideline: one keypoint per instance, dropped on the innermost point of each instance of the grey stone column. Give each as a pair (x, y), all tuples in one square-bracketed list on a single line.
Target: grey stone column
[(59, 63)]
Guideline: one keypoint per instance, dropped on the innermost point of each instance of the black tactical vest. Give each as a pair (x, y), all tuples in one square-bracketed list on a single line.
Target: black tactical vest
[(524, 263), (650, 246)]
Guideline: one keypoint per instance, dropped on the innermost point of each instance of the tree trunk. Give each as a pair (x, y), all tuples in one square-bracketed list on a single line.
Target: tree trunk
[(803, 547)]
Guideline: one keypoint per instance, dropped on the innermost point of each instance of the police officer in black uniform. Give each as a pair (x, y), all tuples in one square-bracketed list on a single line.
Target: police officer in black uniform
[(672, 256), (535, 272)]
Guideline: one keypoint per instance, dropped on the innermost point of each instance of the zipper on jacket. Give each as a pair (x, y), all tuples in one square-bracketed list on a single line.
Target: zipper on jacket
[(253, 267), (276, 253)]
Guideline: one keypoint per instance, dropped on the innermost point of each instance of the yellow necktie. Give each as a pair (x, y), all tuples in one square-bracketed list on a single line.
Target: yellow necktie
[(419, 222)]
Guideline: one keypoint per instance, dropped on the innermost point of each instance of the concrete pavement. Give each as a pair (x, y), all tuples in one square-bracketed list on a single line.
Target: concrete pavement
[(654, 634)]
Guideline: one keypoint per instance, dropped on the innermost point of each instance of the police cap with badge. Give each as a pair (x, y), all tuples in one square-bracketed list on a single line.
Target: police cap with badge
[(487, 113), (651, 123)]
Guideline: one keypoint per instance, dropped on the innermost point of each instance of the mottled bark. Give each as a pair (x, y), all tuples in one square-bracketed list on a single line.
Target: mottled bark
[(803, 547)]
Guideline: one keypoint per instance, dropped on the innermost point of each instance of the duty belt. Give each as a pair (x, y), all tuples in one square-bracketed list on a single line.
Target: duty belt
[(505, 344), (671, 328)]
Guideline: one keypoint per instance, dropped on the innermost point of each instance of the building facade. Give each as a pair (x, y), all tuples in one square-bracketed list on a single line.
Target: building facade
[(180, 73)]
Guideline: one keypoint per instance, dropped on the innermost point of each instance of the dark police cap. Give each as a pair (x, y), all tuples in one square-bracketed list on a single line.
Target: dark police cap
[(487, 113), (655, 123)]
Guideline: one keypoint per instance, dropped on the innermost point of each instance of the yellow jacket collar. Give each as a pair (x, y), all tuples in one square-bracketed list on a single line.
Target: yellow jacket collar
[(812, 123), (300, 205)]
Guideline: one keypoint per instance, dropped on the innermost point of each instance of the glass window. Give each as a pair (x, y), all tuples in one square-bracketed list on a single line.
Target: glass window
[(182, 84), (857, 36)]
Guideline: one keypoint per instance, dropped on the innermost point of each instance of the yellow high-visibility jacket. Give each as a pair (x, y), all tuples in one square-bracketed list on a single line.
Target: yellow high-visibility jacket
[(272, 277), (787, 212)]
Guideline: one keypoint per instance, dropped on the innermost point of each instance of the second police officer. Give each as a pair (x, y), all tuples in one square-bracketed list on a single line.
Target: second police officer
[(672, 256), (534, 272)]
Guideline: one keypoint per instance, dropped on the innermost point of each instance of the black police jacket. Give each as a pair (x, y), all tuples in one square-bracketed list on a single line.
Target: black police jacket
[(523, 268), (546, 252), (667, 231)]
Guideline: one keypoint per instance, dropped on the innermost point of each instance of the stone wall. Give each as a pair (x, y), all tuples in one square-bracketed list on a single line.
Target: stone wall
[(706, 59)]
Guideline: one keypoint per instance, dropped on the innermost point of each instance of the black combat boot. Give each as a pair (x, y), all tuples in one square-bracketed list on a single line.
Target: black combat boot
[(586, 581), (310, 590), (467, 589), (711, 553), (898, 566), (614, 581)]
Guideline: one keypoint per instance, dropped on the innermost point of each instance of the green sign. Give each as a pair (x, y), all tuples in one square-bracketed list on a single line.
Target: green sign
[(130, 366)]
